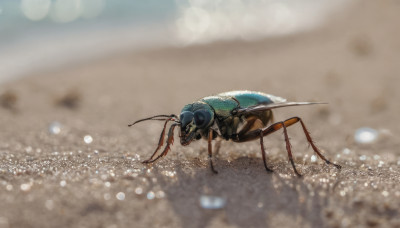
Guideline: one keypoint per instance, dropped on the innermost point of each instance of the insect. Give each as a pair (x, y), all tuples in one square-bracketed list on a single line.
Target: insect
[(239, 116)]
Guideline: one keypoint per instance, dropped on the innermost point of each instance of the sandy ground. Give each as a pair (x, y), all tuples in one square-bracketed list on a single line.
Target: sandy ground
[(58, 180)]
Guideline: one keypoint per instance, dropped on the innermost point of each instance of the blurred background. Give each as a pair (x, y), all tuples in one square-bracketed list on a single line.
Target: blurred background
[(38, 34), (75, 73)]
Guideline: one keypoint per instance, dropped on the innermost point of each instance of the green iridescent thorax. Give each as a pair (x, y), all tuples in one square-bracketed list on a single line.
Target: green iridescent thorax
[(221, 105)]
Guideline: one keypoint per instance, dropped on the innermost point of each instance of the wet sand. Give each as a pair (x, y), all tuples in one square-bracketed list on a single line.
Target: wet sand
[(56, 179)]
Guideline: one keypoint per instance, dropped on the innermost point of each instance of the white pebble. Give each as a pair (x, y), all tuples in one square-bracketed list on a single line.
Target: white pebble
[(365, 135), (212, 202), (313, 158), (63, 183), (25, 187), (150, 195), (120, 196), (88, 139), (55, 128)]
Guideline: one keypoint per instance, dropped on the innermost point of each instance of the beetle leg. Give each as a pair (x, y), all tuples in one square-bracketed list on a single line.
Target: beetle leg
[(160, 142), (263, 152), (316, 150), (276, 126), (210, 136), (294, 120), (246, 136), (217, 145), (250, 135), (288, 146), (252, 123), (170, 141)]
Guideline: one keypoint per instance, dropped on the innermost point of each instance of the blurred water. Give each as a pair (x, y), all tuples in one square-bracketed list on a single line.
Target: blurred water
[(41, 34)]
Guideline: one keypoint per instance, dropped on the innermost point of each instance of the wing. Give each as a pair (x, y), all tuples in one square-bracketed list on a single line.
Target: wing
[(264, 107)]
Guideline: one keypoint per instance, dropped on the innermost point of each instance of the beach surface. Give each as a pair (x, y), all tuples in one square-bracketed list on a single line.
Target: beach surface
[(68, 158)]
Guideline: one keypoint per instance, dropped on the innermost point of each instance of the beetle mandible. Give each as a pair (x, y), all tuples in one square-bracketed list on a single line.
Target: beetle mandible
[(239, 116)]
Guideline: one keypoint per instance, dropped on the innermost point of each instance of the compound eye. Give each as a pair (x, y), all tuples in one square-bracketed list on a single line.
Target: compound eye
[(186, 117), (202, 118)]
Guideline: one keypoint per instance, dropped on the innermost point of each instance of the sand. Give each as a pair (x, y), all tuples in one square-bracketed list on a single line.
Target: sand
[(51, 177)]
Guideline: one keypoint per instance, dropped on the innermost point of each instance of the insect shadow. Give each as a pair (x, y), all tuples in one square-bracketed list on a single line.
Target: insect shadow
[(253, 198)]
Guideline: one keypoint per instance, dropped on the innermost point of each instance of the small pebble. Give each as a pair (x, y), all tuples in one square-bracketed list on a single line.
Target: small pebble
[(9, 187), (385, 193), (313, 158), (63, 183), (139, 190), (88, 139), (120, 196), (365, 135), (25, 187), (212, 202), (150, 195), (55, 128), (346, 151)]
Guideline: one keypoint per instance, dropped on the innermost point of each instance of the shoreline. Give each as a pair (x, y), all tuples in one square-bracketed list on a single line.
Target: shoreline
[(51, 48), (84, 46)]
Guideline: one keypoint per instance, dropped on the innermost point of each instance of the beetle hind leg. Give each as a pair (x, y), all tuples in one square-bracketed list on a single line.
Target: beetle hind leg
[(316, 150), (250, 135)]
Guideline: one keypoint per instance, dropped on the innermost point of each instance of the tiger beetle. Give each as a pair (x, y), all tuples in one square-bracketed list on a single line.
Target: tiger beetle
[(239, 116)]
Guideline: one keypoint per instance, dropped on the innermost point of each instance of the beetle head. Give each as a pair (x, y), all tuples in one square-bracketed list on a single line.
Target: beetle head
[(195, 120)]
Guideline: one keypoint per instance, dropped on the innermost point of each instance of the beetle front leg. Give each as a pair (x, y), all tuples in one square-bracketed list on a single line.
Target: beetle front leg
[(210, 137), (170, 141), (160, 142)]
